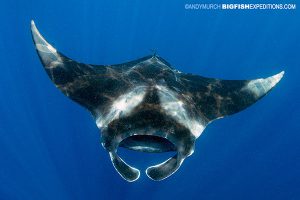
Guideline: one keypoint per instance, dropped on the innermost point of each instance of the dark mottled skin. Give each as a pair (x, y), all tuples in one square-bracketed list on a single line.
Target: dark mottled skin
[(96, 86), (149, 115), (175, 108)]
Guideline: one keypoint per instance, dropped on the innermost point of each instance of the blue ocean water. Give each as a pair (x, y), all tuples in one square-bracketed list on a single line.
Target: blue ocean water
[(50, 147)]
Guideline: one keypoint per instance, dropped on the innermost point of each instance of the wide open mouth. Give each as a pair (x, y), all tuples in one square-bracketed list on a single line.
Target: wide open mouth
[(148, 143)]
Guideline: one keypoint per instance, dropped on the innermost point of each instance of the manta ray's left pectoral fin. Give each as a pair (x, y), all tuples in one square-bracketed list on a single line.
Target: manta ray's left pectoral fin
[(216, 98), (80, 82)]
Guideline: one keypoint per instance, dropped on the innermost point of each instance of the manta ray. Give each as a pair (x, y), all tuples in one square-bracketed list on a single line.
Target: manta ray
[(147, 105)]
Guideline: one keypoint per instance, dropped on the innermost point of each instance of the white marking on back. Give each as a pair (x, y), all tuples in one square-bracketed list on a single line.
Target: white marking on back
[(122, 106), (261, 86), (175, 108), (44, 46)]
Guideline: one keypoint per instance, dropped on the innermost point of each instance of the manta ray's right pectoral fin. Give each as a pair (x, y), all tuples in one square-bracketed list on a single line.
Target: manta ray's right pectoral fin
[(216, 98)]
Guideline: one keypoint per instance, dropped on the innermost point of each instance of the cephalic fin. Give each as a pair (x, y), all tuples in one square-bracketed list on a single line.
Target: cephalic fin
[(165, 169), (127, 172)]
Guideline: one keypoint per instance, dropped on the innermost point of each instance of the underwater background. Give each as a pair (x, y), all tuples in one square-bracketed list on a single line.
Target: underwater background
[(50, 147)]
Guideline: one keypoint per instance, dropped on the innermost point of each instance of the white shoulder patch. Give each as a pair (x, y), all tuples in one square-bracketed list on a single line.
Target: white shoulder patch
[(175, 108), (122, 106)]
